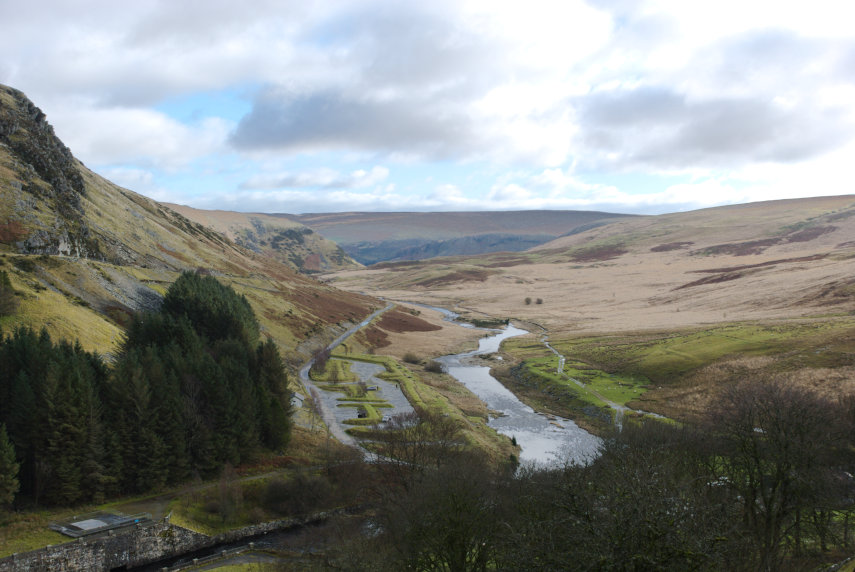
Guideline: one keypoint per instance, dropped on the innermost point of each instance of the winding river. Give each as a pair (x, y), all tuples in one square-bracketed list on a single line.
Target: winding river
[(542, 439)]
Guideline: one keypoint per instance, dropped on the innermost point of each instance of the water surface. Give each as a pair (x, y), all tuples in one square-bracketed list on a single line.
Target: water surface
[(543, 440)]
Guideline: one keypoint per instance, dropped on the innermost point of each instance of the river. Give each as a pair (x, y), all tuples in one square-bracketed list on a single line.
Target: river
[(543, 440)]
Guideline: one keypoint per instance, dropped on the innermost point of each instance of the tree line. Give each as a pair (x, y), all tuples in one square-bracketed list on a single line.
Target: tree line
[(191, 389), (762, 482)]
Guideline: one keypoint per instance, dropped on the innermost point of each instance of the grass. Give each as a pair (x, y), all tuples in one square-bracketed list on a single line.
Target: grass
[(29, 531), (60, 314), (355, 395), (423, 397), (372, 416), (617, 388), (622, 367), (336, 370), (25, 531), (396, 373), (251, 567), (667, 357), (199, 510)]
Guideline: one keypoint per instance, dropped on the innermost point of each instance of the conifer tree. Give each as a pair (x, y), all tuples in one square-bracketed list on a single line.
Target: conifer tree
[(9, 484)]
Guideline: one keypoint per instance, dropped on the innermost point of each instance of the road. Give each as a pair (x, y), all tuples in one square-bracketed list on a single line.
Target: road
[(336, 430)]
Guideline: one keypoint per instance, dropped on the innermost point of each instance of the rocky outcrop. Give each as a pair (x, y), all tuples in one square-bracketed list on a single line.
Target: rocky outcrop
[(47, 173), (24, 128)]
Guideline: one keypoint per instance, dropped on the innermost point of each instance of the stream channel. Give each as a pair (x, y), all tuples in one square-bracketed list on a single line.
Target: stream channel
[(542, 439)]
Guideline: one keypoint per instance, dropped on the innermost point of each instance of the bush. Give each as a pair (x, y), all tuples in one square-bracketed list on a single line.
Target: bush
[(434, 366), (539, 301), (24, 264), (8, 301), (410, 357), (528, 301)]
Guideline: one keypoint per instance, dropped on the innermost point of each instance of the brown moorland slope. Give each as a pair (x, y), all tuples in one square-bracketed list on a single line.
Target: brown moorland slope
[(660, 313), (770, 260)]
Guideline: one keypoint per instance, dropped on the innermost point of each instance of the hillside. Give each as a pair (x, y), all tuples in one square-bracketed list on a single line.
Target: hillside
[(778, 259), (377, 237), (82, 253), (276, 237)]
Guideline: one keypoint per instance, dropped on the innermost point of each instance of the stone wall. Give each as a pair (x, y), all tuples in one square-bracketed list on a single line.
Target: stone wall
[(136, 546)]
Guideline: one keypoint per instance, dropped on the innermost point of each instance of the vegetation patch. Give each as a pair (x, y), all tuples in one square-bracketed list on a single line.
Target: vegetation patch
[(398, 321), (336, 371), (487, 323), (635, 369), (509, 262), (598, 253), (718, 278), (752, 247), (470, 275), (24, 263), (746, 248), (11, 232), (808, 234), (25, 531), (668, 247), (761, 264)]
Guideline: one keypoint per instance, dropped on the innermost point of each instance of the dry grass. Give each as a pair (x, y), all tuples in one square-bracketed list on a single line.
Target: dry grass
[(779, 266), (641, 289)]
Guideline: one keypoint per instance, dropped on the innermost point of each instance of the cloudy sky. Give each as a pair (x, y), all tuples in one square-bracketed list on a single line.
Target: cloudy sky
[(643, 106)]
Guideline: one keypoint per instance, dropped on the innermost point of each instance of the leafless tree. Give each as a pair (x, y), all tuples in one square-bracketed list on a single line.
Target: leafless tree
[(775, 448)]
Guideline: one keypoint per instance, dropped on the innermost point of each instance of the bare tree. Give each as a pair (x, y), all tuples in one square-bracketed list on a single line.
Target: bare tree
[(319, 361), (776, 445)]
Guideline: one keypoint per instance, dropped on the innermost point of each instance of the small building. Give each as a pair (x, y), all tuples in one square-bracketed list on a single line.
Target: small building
[(95, 522)]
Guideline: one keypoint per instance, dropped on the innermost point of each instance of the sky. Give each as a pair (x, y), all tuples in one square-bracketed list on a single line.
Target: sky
[(631, 106)]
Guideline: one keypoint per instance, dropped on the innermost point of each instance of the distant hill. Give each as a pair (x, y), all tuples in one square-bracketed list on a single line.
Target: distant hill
[(769, 260), (277, 237), (377, 237), (82, 253)]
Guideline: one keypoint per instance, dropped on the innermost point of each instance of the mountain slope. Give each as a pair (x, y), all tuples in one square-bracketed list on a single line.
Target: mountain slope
[(379, 237), (82, 253), (276, 237)]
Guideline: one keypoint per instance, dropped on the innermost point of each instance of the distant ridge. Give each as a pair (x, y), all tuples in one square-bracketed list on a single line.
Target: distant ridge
[(380, 237)]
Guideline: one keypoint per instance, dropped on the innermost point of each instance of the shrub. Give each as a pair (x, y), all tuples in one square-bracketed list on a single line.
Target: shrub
[(434, 366), (527, 301), (24, 264), (410, 357), (8, 301)]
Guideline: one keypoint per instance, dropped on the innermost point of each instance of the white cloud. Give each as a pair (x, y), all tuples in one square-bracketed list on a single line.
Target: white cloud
[(751, 99), (319, 179), (111, 136)]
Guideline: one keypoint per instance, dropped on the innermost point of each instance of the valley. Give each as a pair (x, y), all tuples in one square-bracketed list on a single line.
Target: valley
[(658, 302), (309, 372)]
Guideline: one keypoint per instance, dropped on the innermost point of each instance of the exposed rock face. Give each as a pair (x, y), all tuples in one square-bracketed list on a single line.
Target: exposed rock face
[(48, 172)]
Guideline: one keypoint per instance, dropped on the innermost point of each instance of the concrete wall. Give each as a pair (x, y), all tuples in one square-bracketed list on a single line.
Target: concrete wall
[(136, 546)]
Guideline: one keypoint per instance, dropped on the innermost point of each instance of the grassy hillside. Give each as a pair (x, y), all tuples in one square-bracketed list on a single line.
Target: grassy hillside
[(83, 253)]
